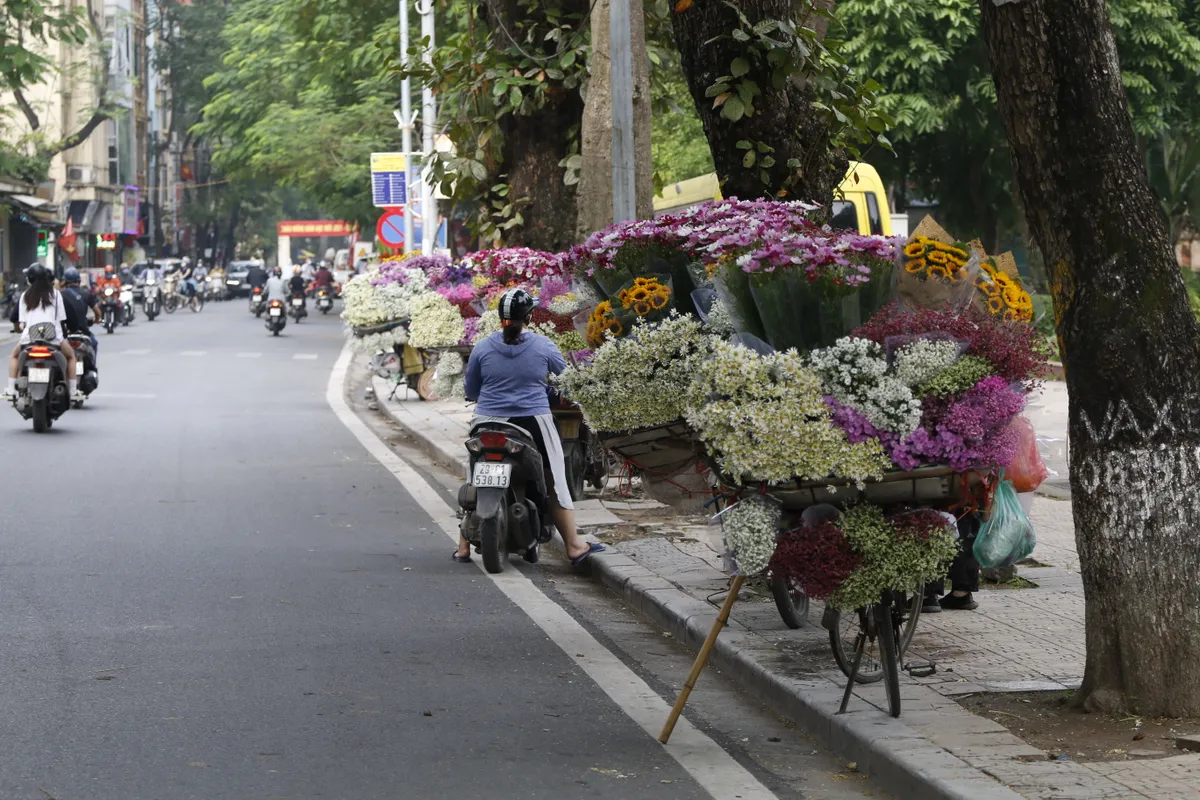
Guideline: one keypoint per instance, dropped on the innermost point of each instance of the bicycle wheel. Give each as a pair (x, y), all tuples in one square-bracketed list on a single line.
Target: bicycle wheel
[(844, 629), (889, 658)]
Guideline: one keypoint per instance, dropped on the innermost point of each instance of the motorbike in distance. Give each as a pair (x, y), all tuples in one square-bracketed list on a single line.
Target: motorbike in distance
[(151, 298), (258, 301), (504, 505), (126, 297), (42, 393), (170, 300), (109, 308), (297, 307), (276, 317), (325, 299), (87, 378)]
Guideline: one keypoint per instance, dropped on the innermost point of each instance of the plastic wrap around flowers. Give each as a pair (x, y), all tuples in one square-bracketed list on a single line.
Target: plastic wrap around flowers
[(1003, 294), (750, 528)]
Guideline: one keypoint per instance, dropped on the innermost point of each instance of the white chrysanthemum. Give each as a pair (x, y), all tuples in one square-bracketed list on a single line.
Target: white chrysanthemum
[(750, 528), (764, 419), (854, 372), (641, 380), (435, 322), (921, 361), (489, 323)]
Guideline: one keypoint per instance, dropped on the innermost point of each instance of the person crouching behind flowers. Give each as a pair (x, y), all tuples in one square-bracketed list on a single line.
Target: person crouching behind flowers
[(507, 376)]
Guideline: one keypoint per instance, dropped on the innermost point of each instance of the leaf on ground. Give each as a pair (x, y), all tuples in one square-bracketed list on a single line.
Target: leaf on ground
[(683, 5), (106, 677)]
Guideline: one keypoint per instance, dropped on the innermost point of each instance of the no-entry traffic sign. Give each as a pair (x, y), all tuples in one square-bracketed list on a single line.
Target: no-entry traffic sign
[(390, 228)]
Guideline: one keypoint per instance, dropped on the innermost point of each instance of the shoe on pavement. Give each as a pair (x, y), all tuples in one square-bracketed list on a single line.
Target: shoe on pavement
[(964, 603), (8, 394), (931, 606)]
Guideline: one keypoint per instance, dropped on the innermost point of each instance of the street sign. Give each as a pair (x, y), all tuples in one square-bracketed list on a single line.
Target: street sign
[(390, 228), (43, 244), (388, 179), (314, 227)]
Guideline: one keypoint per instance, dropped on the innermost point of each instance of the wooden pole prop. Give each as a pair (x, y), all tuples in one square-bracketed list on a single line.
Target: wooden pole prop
[(702, 657)]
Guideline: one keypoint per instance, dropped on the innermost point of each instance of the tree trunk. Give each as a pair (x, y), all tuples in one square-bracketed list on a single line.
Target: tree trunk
[(784, 118), (1133, 371), (534, 145), (595, 172)]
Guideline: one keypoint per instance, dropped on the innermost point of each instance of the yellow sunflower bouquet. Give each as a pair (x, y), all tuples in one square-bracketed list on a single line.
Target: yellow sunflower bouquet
[(598, 324), (935, 269), (1001, 292), (647, 297)]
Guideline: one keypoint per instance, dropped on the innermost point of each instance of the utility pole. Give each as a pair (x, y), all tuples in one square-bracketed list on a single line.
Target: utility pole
[(429, 209), (406, 130), (624, 169)]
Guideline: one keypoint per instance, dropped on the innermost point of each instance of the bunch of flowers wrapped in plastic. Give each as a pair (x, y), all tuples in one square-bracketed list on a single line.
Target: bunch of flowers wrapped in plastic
[(930, 258), (514, 264), (855, 373), (1002, 294), (816, 556), (601, 324), (646, 295), (750, 528), (900, 553), (435, 323), (764, 419), (639, 381), (448, 380)]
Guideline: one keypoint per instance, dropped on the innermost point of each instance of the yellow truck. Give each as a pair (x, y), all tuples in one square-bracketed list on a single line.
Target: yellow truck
[(860, 204)]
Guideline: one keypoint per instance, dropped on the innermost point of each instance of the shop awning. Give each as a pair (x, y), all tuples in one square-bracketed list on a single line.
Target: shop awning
[(38, 211)]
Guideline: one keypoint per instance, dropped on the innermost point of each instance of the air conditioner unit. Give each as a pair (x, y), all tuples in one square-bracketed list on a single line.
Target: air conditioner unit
[(79, 174)]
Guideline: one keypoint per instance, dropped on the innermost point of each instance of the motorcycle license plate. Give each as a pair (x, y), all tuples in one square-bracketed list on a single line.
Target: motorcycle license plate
[(297, 302), (42, 375), (492, 476), (126, 297), (275, 312)]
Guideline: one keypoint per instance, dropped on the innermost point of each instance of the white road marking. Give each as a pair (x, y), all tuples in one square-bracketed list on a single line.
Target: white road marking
[(713, 768), (194, 353), (249, 355), (134, 352), (305, 357)]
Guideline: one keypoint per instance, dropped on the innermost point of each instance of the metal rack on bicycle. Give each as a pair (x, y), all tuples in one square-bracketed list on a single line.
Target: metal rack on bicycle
[(868, 644)]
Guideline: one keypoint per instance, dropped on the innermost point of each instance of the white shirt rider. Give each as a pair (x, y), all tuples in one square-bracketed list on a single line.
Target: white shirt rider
[(276, 288), (54, 314)]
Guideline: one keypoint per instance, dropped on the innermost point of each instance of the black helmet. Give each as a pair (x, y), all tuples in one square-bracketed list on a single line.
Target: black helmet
[(278, 271), (516, 305), (71, 275), (37, 272)]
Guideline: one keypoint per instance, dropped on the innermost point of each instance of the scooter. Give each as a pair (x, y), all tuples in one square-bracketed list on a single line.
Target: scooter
[(325, 299), (276, 317), (109, 308), (87, 378), (41, 379), (126, 305), (504, 506), (151, 299), (297, 307), (257, 301)]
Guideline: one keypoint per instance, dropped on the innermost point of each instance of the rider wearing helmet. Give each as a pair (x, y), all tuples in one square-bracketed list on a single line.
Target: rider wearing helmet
[(275, 287), (110, 279), (40, 303), (297, 283), (507, 376), (188, 273)]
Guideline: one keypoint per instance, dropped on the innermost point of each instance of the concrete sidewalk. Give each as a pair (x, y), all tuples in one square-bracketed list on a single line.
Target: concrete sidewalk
[(669, 569)]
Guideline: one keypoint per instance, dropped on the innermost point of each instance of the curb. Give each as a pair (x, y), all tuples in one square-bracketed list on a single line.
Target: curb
[(898, 757)]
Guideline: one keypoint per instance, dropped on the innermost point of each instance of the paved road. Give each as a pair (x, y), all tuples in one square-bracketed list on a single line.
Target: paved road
[(223, 595)]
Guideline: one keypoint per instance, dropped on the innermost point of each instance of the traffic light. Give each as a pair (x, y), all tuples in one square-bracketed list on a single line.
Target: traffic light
[(43, 244)]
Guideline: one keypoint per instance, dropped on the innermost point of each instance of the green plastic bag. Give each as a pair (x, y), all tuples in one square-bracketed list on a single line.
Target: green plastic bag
[(1007, 536)]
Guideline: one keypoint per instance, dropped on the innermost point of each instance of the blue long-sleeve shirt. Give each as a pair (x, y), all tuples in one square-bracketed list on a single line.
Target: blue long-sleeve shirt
[(509, 380)]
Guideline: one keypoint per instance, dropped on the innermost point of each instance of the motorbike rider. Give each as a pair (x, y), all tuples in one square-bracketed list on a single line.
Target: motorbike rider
[(275, 288), (296, 283), (307, 270), (256, 277), (507, 377), (323, 277), (80, 305), (41, 302), (188, 273)]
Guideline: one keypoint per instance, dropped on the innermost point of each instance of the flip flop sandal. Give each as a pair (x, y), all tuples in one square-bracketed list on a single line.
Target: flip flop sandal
[(461, 559), (593, 547)]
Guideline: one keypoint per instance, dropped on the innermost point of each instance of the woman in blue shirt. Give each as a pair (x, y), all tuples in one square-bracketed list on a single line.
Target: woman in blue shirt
[(507, 377)]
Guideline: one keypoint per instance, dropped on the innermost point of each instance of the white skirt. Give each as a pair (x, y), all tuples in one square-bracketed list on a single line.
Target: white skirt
[(554, 453)]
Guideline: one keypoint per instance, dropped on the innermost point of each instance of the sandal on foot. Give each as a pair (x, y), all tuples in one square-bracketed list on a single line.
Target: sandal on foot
[(461, 559), (593, 547)]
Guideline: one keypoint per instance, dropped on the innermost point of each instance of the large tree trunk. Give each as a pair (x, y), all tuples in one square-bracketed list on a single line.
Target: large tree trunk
[(595, 173), (1133, 371), (535, 144), (784, 118)]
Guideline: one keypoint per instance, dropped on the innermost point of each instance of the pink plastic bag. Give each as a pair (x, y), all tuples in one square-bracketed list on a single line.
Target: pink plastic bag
[(1027, 471)]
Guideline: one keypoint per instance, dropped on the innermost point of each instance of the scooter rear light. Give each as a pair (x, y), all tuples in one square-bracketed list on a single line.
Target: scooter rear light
[(493, 456), (492, 440), (513, 446), (474, 445), (40, 352)]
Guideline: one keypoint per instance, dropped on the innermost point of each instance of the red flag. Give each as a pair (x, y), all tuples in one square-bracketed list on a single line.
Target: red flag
[(66, 240)]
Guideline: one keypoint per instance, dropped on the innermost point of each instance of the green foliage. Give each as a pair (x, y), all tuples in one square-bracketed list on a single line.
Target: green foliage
[(677, 139), (482, 74), (950, 142), (28, 28), (300, 99), (777, 52), (1173, 165)]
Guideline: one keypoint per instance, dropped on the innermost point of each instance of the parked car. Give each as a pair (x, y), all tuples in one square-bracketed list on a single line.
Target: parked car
[(237, 275)]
